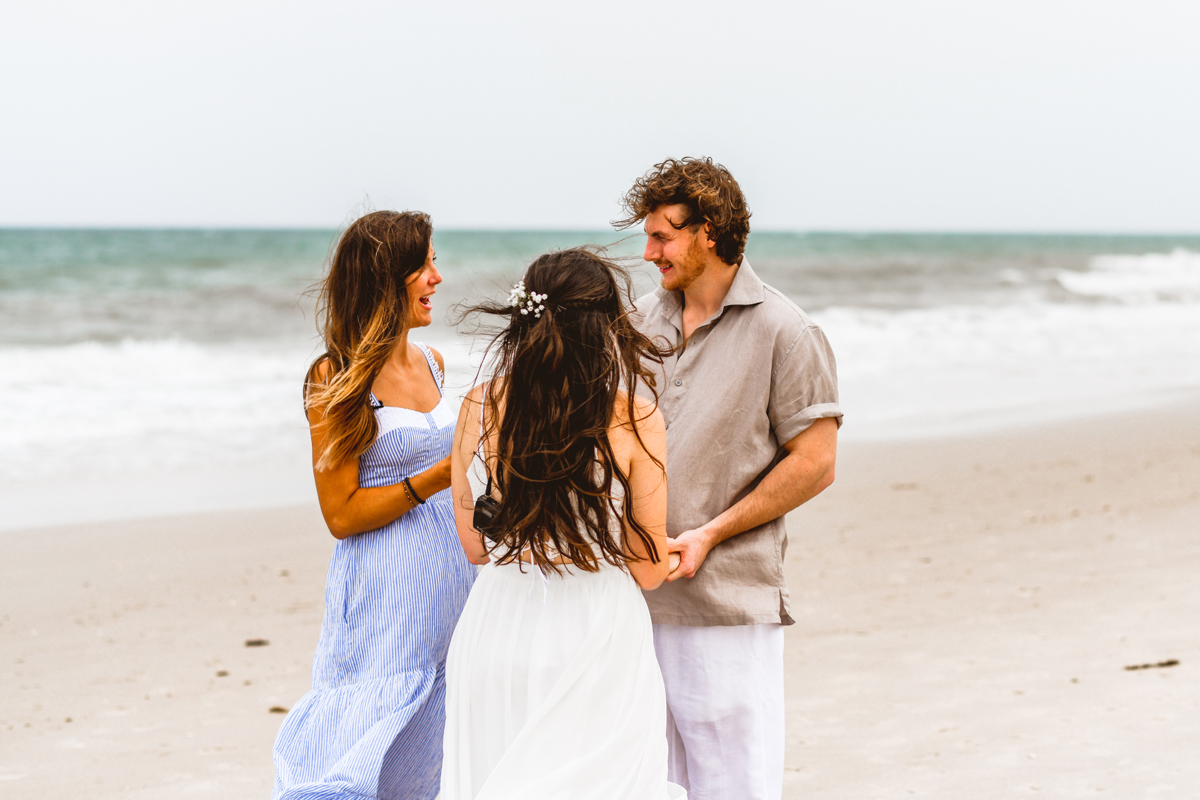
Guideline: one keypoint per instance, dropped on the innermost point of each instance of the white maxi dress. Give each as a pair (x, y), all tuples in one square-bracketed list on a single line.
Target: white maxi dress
[(553, 690)]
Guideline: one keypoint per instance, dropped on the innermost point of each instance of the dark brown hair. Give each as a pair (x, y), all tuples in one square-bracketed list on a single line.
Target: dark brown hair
[(362, 310), (707, 189), (557, 382)]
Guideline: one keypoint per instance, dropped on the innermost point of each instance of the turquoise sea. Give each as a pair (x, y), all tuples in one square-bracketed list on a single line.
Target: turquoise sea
[(66, 286), (171, 351)]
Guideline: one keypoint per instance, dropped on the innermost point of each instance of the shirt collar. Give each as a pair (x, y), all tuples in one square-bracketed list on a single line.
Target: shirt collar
[(746, 290)]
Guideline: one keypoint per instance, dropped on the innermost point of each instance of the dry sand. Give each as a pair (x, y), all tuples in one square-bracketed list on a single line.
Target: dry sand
[(965, 607)]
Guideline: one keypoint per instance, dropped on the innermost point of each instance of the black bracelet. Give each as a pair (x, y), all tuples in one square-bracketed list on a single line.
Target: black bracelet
[(414, 492)]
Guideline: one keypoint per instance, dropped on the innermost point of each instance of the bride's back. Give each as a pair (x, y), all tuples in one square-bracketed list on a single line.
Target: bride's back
[(624, 443), (574, 461)]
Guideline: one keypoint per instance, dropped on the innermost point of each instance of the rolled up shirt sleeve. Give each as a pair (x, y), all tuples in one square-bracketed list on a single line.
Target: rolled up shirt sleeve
[(803, 385)]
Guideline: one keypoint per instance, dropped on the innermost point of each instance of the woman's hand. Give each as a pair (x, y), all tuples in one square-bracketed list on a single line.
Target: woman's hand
[(350, 509), (433, 480)]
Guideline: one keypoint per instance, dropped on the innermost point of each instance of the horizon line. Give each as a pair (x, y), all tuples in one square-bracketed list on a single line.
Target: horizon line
[(581, 229)]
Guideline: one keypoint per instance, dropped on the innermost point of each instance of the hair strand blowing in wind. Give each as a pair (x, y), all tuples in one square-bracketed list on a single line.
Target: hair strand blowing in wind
[(363, 312), (559, 378)]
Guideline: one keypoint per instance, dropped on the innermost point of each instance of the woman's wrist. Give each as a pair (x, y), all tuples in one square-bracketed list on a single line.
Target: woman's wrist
[(406, 487), (420, 487)]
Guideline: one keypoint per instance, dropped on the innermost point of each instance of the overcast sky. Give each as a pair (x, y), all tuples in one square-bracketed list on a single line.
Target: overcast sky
[(894, 115)]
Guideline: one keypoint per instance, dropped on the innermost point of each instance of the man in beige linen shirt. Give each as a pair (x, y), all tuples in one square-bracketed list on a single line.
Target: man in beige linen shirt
[(750, 400)]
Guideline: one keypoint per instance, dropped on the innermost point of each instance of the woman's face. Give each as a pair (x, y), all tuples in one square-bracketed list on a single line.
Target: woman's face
[(421, 288)]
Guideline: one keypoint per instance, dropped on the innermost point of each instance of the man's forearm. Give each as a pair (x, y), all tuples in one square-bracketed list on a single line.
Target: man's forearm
[(806, 471)]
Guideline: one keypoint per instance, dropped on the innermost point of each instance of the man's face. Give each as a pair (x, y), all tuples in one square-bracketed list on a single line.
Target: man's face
[(680, 255)]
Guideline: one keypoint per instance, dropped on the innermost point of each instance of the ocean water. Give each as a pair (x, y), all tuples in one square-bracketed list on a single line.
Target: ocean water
[(179, 353)]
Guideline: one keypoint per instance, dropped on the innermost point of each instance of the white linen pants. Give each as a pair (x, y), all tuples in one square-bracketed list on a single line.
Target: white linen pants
[(725, 721)]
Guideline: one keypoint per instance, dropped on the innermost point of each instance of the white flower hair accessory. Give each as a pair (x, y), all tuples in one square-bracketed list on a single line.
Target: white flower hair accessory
[(527, 302)]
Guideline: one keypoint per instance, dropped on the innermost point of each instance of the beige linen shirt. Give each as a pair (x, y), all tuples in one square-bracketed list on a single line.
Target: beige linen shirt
[(752, 377)]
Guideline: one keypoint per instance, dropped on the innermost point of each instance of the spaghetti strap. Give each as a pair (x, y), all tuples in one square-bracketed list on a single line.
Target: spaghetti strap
[(478, 474), (479, 446), (482, 405), (438, 377)]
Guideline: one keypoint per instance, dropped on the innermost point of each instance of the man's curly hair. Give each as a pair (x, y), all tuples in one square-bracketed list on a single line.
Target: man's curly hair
[(707, 189)]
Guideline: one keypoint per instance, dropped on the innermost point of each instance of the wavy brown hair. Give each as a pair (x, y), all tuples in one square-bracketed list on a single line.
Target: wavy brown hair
[(707, 189), (557, 388), (362, 309)]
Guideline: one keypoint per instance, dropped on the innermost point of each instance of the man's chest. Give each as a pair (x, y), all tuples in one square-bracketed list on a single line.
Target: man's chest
[(716, 380)]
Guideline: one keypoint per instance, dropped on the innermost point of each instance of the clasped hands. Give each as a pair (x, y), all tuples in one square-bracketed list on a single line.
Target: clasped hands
[(687, 551)]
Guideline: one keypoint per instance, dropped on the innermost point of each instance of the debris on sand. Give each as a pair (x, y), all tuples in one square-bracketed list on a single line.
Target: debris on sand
[(1172, 662)]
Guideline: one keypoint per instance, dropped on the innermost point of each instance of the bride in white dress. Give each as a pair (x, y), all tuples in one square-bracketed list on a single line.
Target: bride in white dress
[(552, 687)]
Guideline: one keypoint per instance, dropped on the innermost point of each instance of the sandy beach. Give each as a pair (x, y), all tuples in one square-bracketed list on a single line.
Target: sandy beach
[(966, 609)]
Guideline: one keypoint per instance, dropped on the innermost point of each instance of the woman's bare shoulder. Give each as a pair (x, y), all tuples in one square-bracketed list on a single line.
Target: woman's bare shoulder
[(645, 413), (320, 370), (642, 407), (473, 400), (318, 376)]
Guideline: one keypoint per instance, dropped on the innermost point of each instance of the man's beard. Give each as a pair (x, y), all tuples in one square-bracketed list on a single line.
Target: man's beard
[(691, 267)]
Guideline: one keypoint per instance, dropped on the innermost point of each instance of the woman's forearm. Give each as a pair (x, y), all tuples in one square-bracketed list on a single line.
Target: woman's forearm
[(431, 481), (369, 509)]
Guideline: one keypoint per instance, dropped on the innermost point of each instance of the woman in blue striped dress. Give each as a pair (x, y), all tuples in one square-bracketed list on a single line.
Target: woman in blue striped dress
[(382, 430)]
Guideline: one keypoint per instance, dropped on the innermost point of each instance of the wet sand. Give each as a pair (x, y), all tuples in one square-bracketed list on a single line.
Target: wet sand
[(965, 612)]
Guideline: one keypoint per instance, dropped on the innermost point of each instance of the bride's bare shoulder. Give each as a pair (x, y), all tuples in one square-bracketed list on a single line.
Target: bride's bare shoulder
[(645, 413)]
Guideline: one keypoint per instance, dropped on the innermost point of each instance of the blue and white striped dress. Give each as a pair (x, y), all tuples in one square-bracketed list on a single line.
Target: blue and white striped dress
[(372, 725)]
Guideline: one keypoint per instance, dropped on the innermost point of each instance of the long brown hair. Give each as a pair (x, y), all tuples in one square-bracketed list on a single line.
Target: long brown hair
[(558, 376), (363, 311)]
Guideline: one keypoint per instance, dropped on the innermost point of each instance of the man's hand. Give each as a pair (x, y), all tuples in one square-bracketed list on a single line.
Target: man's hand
[(804, 472), (692, 547)]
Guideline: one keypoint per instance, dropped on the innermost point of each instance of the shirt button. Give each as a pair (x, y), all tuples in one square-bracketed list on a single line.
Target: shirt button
[(679, 383)]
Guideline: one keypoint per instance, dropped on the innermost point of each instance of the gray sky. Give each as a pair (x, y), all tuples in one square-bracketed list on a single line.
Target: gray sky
[(954, 115)]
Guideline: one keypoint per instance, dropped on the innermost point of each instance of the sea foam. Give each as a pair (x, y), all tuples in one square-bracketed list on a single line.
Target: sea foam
[(91, 407), (925, 371), (1148, 278)]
